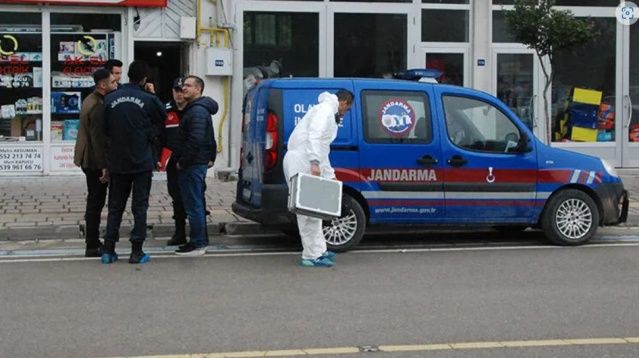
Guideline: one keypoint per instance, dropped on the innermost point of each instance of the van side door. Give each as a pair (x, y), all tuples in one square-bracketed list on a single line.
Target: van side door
[(490, 174), (400, 156)]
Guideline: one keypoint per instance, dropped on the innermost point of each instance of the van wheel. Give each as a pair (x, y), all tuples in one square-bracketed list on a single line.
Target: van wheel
[(571, 218), (343, 233)]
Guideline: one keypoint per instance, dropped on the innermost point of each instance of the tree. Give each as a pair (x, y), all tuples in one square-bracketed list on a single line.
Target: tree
[(548, 31)]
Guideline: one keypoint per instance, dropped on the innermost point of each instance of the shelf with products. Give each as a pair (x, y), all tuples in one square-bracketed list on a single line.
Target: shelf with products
[(75, 56)]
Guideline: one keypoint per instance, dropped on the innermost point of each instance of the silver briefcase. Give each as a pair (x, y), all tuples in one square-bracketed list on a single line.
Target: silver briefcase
[(315, 196)]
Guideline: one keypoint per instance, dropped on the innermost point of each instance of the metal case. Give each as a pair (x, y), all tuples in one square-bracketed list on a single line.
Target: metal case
[(315, 196)]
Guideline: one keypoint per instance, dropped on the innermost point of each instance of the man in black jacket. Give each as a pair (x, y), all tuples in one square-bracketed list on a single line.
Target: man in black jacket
[(133, 121), (171, 138), (195, 154)]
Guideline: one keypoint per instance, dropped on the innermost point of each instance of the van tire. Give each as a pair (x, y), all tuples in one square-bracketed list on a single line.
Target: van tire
[(571, 218), (343, 233)]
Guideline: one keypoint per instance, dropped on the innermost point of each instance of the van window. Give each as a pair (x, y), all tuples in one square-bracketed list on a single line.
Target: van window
[(396, 117), (478, 125)]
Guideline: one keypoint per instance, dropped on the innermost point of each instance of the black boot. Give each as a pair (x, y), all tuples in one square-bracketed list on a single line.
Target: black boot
[(179, 237)]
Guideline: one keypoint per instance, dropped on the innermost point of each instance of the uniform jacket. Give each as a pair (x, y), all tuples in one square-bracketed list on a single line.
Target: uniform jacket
[(315, 132), (133, 122), (171, 133), (196, 143), (91, 145)]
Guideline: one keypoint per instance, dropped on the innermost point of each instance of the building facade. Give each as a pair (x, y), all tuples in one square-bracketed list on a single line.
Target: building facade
[(45, 77)]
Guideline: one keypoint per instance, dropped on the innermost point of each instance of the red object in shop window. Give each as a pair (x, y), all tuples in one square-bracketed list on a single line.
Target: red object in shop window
[(633, 133)]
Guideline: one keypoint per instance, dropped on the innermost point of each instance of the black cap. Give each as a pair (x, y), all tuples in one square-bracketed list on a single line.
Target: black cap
[(178, 83), (100, 74)]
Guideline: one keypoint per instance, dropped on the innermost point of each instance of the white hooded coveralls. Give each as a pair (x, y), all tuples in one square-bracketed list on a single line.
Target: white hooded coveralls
[(311, 140)]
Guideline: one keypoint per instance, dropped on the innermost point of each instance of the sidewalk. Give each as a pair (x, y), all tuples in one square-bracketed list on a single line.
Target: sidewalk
[(53, 208)]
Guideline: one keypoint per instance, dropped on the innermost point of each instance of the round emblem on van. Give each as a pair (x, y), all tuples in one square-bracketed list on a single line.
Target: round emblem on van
[(397, 117)]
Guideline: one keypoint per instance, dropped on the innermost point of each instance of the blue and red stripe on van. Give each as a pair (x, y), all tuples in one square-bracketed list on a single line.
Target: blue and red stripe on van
[(460, 188)]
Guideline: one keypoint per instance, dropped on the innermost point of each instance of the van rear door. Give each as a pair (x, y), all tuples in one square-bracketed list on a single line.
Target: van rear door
[(254, 121), (400, 152)]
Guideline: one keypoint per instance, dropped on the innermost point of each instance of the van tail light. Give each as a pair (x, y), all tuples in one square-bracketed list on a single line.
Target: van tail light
[(270, 153)]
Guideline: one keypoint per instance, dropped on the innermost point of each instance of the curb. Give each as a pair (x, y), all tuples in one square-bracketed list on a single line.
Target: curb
[(56, 232)]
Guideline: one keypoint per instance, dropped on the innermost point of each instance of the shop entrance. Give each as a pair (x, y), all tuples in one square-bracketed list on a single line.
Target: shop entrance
[(167, 61)]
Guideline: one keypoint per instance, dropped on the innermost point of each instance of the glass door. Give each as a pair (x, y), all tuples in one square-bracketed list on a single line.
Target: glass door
[(629, 113), (517, 85)]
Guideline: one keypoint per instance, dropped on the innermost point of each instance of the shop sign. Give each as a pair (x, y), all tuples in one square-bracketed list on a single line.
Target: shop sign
[(145, 3), (20, 159), (62, 158)]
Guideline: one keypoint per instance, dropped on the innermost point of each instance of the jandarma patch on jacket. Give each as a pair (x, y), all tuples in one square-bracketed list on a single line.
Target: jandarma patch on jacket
[(129, 99)]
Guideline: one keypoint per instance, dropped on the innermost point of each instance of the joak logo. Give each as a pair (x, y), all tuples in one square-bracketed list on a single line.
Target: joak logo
[(397, 117)]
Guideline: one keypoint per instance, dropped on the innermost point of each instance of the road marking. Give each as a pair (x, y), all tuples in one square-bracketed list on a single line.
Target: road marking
[(63, 255), (410, 348)]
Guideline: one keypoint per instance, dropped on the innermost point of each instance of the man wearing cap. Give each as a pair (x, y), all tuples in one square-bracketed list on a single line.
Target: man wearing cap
[(170, 139), (91, 155)]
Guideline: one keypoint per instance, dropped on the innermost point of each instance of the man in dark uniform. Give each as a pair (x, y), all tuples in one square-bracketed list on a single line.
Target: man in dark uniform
[(170, 141), (133, 119), (91, 155)]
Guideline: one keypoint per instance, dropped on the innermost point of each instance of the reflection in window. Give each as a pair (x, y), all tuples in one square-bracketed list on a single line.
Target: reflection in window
[(450, 64), (515, 84), (578, 100), (478, 125), (501, 31), (281, 44), (369, 45), (444, 25), (396, 117)]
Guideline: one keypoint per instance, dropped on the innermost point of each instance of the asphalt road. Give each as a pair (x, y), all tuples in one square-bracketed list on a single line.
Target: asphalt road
[(264, 302)]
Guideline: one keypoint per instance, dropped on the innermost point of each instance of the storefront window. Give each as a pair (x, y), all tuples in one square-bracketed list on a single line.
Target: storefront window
[(444, 25), (20, 79), (369, 45), (280, 44), (80, 44), (612, 3), (583, 91), (633, 128), (501, 31), (515, 84)]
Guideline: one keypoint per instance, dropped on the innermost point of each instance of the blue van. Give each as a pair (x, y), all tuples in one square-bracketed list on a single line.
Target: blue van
[(413, 153)]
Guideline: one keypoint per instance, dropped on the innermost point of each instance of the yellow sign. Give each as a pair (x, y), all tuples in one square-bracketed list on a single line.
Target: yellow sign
[(15, 45), (94, 46)]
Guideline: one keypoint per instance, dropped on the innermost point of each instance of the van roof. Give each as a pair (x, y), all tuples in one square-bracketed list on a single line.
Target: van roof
[(328, 82)]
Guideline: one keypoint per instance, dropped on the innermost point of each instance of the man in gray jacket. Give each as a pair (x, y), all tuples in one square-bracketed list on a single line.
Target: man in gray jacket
[(90, 155)]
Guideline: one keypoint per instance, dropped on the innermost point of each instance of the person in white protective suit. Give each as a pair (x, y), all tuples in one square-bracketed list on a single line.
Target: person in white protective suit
[(308, 149)]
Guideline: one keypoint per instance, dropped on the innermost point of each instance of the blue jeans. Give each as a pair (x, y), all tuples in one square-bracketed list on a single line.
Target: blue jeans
[(192, 186)]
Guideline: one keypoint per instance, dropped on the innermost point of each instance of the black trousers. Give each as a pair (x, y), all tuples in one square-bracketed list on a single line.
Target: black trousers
[(119, 190), (96, 196), (174, 191)]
